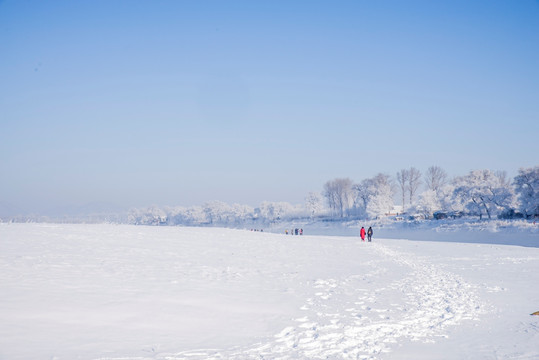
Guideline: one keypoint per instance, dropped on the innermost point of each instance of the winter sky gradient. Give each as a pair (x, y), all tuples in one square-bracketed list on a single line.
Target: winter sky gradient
[(182, 102)]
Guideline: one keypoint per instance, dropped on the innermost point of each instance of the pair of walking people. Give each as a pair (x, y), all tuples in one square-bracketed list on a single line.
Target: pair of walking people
[(369, 233)]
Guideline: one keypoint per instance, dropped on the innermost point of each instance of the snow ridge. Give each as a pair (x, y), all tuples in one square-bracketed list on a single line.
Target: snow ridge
[(350, 318)]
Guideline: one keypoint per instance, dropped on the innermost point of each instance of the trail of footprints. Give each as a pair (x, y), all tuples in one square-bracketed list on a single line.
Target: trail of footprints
[(353, 318)]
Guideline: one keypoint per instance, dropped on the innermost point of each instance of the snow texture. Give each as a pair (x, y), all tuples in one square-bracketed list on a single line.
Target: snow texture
[(136, 292)]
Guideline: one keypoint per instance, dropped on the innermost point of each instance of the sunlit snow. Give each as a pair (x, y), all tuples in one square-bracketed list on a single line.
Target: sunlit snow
[(137, 292)]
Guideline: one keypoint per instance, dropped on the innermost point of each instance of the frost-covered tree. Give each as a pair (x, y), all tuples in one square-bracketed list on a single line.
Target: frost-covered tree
[(339, 195), (527, 187), (212, 213), (485, 192), (381, 201), (194, 215), (435, 178), (448, 200), (428, 203), (133, 216), (217, 212), (374, 196), (274, 211), (242, 213), (153, 215), (314, 203)]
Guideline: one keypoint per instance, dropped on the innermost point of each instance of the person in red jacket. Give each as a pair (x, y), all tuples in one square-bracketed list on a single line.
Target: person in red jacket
[(362, 233)]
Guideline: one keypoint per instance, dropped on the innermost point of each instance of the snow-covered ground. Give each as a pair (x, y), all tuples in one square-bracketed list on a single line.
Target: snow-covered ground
[(133, 292)]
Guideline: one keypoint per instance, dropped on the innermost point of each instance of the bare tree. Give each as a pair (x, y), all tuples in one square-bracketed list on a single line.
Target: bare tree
[(414, 182), (330, 194), (402, 179), (502, 178), (435, 178), (339, 195), (363, 193)]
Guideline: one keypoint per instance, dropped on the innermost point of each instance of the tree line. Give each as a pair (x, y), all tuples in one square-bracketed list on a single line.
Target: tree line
[(432, 195)]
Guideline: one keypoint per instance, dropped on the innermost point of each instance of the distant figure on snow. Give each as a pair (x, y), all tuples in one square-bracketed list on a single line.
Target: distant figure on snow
[(369, 234), (362, 233)]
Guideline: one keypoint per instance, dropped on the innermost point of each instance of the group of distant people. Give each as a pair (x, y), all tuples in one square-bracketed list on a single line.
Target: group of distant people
[(362, 232), (295, 231), (369, 233)]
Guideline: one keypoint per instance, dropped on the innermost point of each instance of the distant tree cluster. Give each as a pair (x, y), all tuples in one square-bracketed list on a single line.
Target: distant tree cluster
[(485, 193), (527, 187), (216, 213), (482, 193)]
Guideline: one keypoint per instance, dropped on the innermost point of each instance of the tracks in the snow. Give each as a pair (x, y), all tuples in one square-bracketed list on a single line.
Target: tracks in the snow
[(364, 315)]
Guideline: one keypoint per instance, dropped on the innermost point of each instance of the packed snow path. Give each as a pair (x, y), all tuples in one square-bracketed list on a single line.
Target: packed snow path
[(92, 292), (356, 318)]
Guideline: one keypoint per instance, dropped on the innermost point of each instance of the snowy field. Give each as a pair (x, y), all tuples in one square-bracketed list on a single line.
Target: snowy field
[(133, 292)]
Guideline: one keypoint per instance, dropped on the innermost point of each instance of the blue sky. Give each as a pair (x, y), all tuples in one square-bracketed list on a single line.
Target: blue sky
[(182, 102)]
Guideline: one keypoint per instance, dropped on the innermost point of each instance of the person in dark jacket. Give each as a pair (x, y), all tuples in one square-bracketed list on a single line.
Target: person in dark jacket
[(369, 234)]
